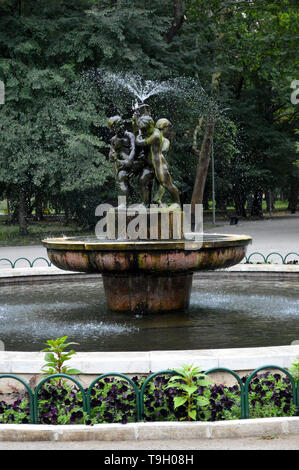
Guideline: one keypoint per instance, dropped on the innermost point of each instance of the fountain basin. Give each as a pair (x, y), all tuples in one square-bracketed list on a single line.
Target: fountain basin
[(146, 275)]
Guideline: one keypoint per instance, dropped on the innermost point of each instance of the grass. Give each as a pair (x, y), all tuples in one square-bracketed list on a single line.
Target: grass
[(278, 206), (10, 236)]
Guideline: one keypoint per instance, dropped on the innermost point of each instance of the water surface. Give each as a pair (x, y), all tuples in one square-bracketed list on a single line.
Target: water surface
[(223, 314)]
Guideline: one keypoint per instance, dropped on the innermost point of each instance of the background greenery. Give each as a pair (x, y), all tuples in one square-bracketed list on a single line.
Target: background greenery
[(53, 125)]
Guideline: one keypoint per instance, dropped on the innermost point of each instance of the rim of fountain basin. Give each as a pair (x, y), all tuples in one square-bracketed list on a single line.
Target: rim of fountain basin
[(209, 241)]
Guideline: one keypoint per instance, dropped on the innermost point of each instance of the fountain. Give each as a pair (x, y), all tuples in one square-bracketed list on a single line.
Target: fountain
[(148, 253)]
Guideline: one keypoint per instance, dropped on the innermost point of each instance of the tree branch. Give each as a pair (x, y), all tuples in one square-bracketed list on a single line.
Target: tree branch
[(203, 163), (195, 134)]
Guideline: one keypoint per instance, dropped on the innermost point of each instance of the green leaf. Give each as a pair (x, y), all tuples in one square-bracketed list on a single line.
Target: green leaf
[(175, 385), (179, 401), (49, 357), (202, 401), (190, 389), (174, 377), (73, 371), (204, 382), (192, 414)]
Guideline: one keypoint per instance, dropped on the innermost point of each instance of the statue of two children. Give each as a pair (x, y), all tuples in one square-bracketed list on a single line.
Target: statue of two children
[(141, 154)]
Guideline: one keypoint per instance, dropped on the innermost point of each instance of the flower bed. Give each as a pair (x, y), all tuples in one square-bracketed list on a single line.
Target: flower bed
[(114, 400)]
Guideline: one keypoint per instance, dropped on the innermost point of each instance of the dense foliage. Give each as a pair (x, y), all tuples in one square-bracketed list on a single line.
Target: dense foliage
[(53, 125)]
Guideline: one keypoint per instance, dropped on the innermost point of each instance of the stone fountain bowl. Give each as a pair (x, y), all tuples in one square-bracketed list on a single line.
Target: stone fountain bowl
[(146, 275)]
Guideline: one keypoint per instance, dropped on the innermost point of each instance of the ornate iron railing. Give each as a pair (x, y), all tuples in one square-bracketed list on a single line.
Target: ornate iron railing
[(265, 258), (30, 263), (140, 393)]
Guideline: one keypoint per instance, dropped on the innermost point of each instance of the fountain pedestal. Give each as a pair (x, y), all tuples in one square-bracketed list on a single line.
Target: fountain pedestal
[(148, 292)]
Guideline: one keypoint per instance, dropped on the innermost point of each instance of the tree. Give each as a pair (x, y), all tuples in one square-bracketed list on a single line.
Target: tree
[(238, 54), (253, 53)]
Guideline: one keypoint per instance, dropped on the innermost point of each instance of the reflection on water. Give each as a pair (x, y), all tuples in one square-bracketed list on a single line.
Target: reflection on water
[(223, 314)]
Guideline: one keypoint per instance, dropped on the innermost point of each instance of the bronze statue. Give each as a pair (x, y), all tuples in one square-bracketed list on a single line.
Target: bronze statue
[(143, 164), (164, 126), (122, 153), (153, 140), (140, 154)]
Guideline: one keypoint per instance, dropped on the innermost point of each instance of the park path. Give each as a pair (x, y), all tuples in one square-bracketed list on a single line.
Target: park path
[(277, 234), (287, 442)]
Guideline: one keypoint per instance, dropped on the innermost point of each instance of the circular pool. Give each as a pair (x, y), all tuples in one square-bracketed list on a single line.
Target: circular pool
[(223, 313)]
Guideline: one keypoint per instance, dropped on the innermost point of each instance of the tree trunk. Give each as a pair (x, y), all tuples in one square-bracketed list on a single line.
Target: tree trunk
[(294, 193), (203, 163), (8, 208), (178, 20), (66, 214), (22, 214), (270, 200), (205, 201), (240, 203), (38, 208), (257, 207), (221, 203)]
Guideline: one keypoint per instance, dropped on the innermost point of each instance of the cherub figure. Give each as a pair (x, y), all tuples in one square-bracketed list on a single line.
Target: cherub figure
[(155, 143), (143, 167), (122, 153)]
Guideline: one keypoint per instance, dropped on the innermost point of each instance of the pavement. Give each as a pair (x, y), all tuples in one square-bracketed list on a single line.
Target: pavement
[(30, 252), (279, 234), (249, 434), (269, 442)]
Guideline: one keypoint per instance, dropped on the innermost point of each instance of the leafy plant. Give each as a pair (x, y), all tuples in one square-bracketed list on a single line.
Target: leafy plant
[(270, 395), (187, 380), (113, 401), (61, 405), (17, 413), (56, 357), (295, 369)]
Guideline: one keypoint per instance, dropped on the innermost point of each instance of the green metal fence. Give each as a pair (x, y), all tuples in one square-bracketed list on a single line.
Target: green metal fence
[(140, 393), (265, 258), (30, 263)]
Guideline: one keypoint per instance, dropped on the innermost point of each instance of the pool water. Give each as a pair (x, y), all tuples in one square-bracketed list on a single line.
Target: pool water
[(223, 313)]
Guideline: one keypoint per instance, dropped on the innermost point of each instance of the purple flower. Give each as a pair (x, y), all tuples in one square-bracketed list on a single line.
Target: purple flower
[(124, 419), (108, 416), (76, 415)]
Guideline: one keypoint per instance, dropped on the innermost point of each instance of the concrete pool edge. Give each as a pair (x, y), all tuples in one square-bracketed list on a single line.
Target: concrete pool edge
[(155, 431), (27, 365)]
